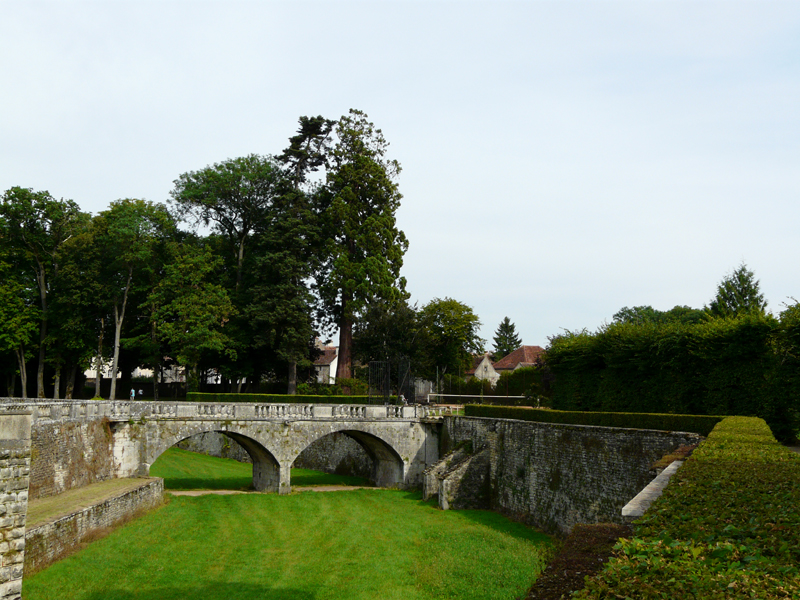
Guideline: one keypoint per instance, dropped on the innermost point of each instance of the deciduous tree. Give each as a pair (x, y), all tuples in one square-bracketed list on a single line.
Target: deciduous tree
[(33, 227), (126, 239), (191, 310), (235, 196), (448, 336)]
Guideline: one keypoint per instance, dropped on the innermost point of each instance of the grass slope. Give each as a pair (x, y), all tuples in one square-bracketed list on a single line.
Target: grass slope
[(359, 544)]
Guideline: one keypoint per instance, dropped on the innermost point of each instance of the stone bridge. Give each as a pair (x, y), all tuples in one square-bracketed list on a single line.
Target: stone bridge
[(402, 441)]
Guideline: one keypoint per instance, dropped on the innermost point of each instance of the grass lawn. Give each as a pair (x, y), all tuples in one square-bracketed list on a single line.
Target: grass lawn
[(361, 544), (185, 470)]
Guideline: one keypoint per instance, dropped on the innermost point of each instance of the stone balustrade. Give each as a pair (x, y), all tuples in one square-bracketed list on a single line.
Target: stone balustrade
[(125, 410)]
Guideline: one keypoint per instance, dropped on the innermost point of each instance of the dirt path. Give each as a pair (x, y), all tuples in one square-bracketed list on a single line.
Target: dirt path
[(310, 488)]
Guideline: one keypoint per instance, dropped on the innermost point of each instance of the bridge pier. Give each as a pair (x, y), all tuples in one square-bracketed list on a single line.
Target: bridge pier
[(286, 481)]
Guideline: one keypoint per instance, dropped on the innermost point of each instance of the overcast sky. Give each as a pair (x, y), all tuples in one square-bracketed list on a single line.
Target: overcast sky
[(560, 160)]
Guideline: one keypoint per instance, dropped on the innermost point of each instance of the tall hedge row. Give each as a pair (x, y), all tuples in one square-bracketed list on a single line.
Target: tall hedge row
[(739, 366)]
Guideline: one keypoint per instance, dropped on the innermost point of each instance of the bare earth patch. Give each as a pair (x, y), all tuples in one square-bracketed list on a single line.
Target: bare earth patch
[(43, 510), (584, 552)]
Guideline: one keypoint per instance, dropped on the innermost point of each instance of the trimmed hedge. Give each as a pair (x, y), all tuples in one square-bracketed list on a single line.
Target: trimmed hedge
[(700, 424), (738, 366), (727, 525), (280, 398)]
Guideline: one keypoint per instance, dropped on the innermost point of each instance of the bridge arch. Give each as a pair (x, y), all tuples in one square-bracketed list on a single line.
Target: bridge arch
[(388, 467), (266, 468)]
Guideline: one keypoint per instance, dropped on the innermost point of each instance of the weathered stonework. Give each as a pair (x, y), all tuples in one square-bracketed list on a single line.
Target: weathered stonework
[(50, 541), (336, 453), (467, 485), (555, 476), (82, 442), (15, 453)]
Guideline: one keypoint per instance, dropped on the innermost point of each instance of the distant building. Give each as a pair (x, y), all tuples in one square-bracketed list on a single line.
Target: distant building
[(483, 369), (325, 365)]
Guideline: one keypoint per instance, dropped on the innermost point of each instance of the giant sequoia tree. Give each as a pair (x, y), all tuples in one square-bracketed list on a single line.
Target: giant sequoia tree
[(365, 248)]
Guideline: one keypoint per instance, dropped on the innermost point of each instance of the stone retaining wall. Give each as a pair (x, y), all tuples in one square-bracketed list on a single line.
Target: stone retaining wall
[(15, 453), (47, 543), (69, 453), (555, 476)]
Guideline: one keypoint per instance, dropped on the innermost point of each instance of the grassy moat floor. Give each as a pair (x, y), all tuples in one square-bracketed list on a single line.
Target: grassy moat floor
[(359, 544)]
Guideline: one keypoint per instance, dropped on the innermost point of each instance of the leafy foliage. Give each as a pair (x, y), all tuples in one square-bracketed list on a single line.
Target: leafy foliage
[(449, 335), (733, 366), (191, 311)]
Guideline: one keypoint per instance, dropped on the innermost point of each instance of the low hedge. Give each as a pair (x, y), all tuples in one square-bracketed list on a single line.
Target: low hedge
[(701, 424), (281, 398), (726, 526)]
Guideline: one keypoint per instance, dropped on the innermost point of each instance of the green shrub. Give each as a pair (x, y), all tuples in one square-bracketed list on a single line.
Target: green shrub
[(727, 525), (282, 398), (700, 424)]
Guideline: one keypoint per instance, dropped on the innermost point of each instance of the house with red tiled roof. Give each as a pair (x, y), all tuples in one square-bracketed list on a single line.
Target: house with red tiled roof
[(524, 356), (482, 368)]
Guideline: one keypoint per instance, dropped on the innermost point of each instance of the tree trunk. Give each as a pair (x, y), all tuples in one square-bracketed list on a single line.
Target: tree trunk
[(57, 383), (119, 316), (292, 378), (343, 367), (70, 383), (156, 373), (40, 279), (98, 373), (12, 383), (192, 379), (23, 372), (239, 262)]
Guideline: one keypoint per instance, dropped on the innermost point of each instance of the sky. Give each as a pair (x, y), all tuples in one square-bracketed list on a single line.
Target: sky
[(561, 159)]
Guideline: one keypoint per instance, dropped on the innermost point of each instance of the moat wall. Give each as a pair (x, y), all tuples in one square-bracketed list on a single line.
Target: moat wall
[(555, 476), (47, 543), (69, 453)]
